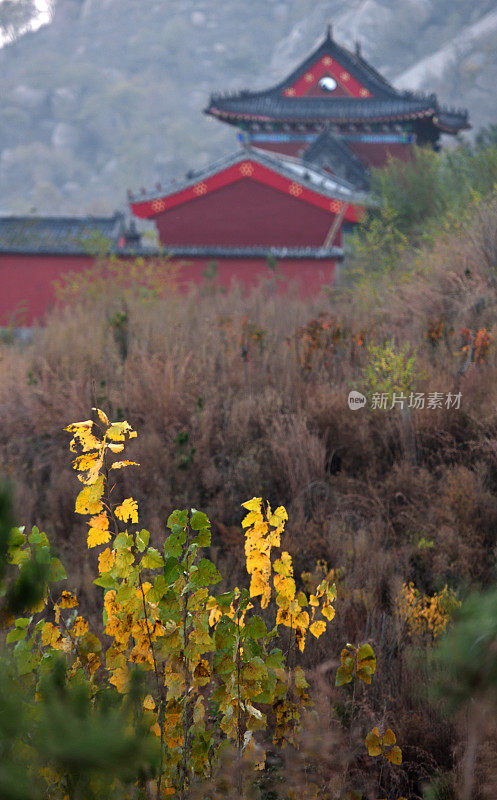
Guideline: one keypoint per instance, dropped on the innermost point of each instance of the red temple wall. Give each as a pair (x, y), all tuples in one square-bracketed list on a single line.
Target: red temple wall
[(375, 154), (246, 213), (27, 284), (28, 292)]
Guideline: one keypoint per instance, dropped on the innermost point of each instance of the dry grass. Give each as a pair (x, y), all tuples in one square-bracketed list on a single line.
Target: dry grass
[(222, 417)]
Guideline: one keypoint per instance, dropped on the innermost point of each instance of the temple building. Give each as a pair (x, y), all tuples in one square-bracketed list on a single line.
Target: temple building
[(336, 109), (277, 209), (301, 177)]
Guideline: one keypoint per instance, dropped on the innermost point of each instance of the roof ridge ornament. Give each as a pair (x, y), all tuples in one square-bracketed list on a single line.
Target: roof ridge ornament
[(329, 32)]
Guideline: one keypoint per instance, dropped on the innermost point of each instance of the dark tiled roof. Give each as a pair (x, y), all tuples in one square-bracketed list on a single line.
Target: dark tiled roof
[(333, 152), (319, 253), (270, 107), (313, 177), (64, 235), (386, 104)]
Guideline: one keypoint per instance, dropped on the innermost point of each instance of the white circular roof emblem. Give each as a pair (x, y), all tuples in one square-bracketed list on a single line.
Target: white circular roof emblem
[(328, 84)]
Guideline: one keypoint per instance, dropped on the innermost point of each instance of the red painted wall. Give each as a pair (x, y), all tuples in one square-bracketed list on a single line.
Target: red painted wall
[(26, 284), (27, 292), (246, 213), (309, 274), (375, 154)]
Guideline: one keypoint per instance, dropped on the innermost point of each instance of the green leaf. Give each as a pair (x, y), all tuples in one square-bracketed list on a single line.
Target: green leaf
[(36, 537), (125, 593), (171, 570), (23, 622), (122, 541), (255, 628), (57, 571), (107, 581), (206, 575), (275, 658), (17, 538), (17, 635), (152, 559), (25, 658), (158, 590), (204, 537), (199, 521), (142, 540), (343, 676), (225, 599), (172, 546), (178, 518), (226, 633), (223, 663)]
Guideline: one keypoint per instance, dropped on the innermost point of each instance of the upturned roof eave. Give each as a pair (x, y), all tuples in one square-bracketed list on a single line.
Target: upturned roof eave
[(351, 119)]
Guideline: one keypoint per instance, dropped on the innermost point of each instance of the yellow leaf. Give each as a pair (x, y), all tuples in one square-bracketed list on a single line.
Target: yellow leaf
[(102, 416), (88, 500), (99, 530), (389, 738), (317, 628), (116, 448), (117, 431), (149, 703), (120, 679), (373, 743), (50, 635), (121, 464), (106, 560), (300, 681), (92, 474), (283, 565), (80, 627), (128, 510), (68, 600), (253, 505), (394, 756), (278, 518), (328, 611), (257, 585)]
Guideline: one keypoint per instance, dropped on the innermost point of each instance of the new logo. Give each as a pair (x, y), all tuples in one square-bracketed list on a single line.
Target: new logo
[(356, 401)]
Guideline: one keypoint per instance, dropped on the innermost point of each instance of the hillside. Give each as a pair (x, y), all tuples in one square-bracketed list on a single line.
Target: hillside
[(110, 94)]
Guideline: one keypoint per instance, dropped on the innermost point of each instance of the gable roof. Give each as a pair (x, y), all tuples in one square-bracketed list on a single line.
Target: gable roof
[(64, 235), (379, 100), (305, 182), (333, 151)]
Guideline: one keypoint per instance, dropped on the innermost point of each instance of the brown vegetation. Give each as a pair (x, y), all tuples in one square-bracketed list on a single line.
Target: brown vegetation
[(237, 396)]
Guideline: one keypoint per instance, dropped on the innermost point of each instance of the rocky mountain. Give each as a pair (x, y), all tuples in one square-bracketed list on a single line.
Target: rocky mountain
[(110, 94)]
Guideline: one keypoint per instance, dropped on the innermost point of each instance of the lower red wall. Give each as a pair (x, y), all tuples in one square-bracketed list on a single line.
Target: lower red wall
[(27, 292), (375, 154), (26, 284)]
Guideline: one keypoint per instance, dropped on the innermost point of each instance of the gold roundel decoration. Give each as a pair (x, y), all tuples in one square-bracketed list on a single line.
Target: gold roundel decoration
[(335, 206), (295, 189), (158, 205), (200, 188), (364, 93), (344, 76), (327, 60), (309, 77), (246, 168), (289, 92)]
